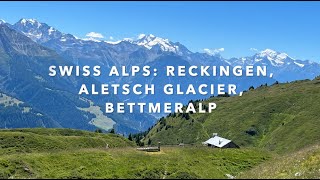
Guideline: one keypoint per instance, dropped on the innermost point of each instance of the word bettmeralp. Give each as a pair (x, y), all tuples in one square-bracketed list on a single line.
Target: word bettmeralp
[(167, 107)]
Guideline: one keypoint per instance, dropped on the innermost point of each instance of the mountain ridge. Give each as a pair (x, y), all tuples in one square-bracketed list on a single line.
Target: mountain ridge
[(24, 73), (278, 62), (157, 52), (282, 118)]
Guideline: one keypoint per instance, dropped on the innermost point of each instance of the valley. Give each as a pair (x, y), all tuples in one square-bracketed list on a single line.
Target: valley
[(221, 91), (266, 122), (29, 48), (100, 120), (24, 66)]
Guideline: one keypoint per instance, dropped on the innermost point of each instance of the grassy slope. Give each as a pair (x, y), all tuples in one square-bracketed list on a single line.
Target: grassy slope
[(285, 116), (66, 153), (302, 164), (44, 140), (128, 163)]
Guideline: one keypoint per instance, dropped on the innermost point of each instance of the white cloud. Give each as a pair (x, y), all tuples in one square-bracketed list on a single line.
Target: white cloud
[(111, 38), (254, 49), (208, 51), (95, 35), (213, 51)]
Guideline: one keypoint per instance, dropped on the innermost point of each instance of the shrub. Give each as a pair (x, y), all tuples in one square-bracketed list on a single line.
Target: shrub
[(98, 130), (112, 131)]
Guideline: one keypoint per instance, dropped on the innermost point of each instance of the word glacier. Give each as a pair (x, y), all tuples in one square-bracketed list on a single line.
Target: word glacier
[(159, 107), (149, 89)]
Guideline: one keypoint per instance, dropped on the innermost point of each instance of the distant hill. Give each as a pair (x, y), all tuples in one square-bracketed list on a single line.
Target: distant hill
[(17, 114), (281, 117), (49, 140)]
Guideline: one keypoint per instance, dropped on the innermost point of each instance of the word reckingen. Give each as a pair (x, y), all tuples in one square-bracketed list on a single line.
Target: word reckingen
[(216, 71)]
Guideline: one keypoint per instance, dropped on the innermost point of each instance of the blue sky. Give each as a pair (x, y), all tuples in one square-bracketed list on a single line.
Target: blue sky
[(291, 27)]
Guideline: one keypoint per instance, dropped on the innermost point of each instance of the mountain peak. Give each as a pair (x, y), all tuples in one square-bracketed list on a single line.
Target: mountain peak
[(29, 21), (272, 53), (144, 36), (149, 41), (268, 52), (275, 57), (2, 21), (37, 31), (17, 43)]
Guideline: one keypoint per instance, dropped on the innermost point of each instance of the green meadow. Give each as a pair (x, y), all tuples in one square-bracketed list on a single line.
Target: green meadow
[(276, 127)]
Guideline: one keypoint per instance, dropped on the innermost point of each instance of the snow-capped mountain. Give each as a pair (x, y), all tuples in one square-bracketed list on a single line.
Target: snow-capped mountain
[(5, 23), (284, 67), (159, 52), (276, 58), (24, 74), (38, 32), (147, 48), (270, 57), (151, 41), (43, 33), (79, 51)]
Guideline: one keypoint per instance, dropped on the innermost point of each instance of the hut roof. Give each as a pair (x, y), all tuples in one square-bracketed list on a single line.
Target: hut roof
[(217, 141)]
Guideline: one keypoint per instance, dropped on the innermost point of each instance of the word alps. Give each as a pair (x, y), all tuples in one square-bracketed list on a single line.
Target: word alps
[(96, 71)]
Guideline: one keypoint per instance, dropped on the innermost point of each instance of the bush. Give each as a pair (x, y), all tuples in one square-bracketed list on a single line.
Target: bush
[(98, 131), (150, 174), (277, 82), (224, 95), (112, 131), (130, 137), (252, 131)]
